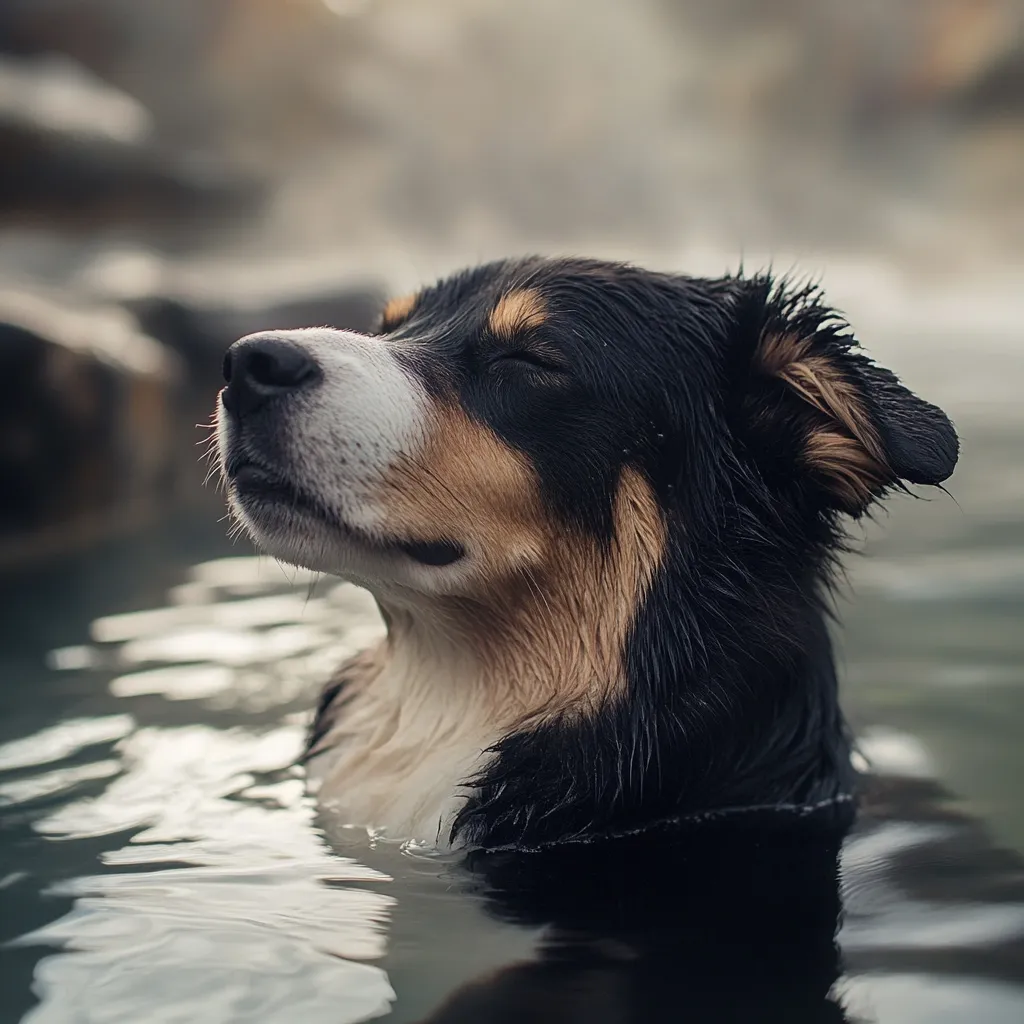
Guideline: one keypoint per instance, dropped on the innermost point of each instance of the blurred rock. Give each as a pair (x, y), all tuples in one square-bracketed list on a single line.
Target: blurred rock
[(78, 152), (238, 77), (202, 330), (876, 60), (87, 425), (198, 309), (58, 96), (999, 91), (101, 389)]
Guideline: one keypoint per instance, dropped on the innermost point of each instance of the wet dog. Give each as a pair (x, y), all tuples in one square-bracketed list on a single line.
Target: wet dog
[(600, 509)]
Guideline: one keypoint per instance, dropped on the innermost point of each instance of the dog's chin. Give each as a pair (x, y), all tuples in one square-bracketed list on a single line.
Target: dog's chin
[(300, 536), (295, 527)]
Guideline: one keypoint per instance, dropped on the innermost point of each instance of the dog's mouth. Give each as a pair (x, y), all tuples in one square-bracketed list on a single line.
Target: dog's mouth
[(253, 482)]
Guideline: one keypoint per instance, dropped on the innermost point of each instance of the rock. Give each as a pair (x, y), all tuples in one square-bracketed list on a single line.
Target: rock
[(78, 152), (105, 373), (199, 309), (201, 333), (999, 91), (223, 75), (87, 425)]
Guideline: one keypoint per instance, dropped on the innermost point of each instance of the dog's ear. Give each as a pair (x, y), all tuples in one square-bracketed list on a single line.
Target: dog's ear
[(809, 401)]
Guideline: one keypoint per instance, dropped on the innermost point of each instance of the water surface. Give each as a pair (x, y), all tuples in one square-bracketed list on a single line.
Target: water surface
[(159, 860)]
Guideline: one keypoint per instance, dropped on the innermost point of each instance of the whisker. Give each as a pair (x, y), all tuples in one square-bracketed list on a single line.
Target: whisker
[(312, 587)]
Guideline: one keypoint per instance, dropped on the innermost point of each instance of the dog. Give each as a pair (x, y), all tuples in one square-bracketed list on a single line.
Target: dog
[(600, 509)]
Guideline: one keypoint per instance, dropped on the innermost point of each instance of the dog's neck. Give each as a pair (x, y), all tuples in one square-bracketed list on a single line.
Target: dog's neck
[(415, 718), (414, 721), (518, 661), (402, 726)]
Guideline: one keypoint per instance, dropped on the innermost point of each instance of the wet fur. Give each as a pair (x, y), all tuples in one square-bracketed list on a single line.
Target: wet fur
[(743, 413)]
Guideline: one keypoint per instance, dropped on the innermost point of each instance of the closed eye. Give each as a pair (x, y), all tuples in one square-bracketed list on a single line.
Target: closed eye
[(529, 357)]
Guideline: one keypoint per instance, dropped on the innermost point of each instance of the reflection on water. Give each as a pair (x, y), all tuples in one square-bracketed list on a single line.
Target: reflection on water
[(217, 899), (167, 864)]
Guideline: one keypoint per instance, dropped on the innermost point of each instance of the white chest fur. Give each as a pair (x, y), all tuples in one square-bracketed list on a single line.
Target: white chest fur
[(401, 746)]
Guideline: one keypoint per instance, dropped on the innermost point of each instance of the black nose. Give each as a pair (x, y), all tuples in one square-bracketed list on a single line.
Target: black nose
[(262, 367)]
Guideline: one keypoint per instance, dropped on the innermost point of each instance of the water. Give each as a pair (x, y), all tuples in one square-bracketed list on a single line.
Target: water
[(159, 860)]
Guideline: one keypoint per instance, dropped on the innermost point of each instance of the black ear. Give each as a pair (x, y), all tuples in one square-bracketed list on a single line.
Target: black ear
[(807, 393)]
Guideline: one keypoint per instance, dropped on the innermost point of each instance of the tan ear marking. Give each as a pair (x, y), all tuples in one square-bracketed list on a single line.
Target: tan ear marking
[(517, 311), (844, 446), (397, 310), (855, 476)]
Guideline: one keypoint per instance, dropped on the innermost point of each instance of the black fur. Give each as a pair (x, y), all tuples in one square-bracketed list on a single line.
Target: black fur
[(326, 710), (734, 923), (731, 699)]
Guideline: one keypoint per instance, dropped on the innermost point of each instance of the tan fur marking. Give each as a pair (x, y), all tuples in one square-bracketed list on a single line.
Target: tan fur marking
[(397, 311), (856, 477), (851, 457), (546, 611), (517, 311), (465, 483), (556, 643), (593, 598)]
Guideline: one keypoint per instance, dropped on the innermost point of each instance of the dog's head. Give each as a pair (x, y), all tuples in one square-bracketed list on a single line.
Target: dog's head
[(523, 408), (611, 481)]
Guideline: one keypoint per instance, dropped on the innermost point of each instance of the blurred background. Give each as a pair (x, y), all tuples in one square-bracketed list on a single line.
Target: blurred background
[(177, 173)]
